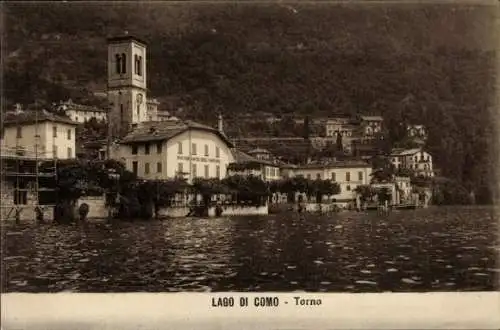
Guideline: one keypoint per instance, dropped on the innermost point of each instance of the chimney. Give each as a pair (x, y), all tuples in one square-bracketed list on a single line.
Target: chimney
[(220, 124)]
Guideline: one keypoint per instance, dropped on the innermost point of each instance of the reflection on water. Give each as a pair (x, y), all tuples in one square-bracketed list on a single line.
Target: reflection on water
[(436, 249)]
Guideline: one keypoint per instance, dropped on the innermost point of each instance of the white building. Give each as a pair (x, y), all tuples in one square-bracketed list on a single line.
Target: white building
[(247, 165), (371, 125), (339, 125), (415, 159), (165, 116), (260, 153), (403, 184), (416, 131), (152, 146), (417, 134), (169, 149), (38, 134), (81, 113), (152, 109), (348, 174)]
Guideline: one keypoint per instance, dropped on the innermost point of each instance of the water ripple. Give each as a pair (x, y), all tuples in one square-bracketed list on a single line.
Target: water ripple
[(438, 249)]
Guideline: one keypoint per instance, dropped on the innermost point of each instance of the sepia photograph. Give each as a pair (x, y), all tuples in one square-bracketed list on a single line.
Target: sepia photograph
[(287, 147)]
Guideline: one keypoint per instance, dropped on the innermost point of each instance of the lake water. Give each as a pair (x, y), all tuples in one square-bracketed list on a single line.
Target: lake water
[(435, 249)]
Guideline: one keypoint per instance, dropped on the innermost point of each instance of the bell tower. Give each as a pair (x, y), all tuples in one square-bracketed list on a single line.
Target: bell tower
[(126, 83)]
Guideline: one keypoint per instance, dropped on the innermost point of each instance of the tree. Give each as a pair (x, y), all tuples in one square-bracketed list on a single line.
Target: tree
[(383, 169), (383, 194), (247, 188), (338, 142), (77, 178), (207, 188), (365, 192), (290, 186), (306, 128), (450, 192), (317, 188), (403, 172), (320, 188), (154, 194), (203, 69)]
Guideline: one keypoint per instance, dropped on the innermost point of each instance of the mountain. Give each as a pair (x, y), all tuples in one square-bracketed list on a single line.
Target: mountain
[(423, 63)]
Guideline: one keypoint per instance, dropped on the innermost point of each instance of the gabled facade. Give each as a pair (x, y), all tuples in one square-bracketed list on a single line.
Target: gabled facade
[(339, 125), (417, 134), (169, 149), (416, 160), (247, 165), (371, 125), (418, 131), (41, 135)]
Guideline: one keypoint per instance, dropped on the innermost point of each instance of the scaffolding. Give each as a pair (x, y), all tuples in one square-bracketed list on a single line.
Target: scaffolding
[(21, 168)]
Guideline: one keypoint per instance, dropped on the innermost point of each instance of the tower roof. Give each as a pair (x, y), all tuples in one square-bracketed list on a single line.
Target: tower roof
[(126, 37)]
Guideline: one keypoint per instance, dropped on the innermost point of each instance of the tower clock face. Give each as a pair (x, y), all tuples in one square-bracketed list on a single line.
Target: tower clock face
[(139, 98)]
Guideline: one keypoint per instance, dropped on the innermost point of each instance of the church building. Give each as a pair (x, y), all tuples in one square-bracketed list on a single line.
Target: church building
[(127, 88), (150, 147)]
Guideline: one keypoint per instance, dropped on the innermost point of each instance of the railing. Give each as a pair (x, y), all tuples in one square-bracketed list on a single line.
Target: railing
[(22, 153)]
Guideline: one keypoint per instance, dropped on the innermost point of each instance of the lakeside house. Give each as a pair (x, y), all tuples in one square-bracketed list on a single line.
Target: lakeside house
[(20, 194), (416, 160), (246, 165), (38, 134), (169, 149), (30, 140), (348, 174), (399, 188), (288, 149), (404, 189)]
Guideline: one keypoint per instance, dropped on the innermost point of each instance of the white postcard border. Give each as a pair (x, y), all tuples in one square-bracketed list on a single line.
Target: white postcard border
[(444, 310)]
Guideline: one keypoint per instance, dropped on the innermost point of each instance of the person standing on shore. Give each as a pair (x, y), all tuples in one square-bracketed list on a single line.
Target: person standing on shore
[(300, 204)]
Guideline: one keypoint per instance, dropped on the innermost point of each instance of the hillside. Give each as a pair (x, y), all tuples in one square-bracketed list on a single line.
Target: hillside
[(433, 64)]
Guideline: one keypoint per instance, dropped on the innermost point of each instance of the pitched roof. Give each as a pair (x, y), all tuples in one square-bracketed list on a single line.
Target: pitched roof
[(258, 151), (32, 116), (405, 152), (334, 164), (241, 157), (372, 118), (165, 130), (415, 126), (69, 105), (280, 146), (341, 118), (126, 37)]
